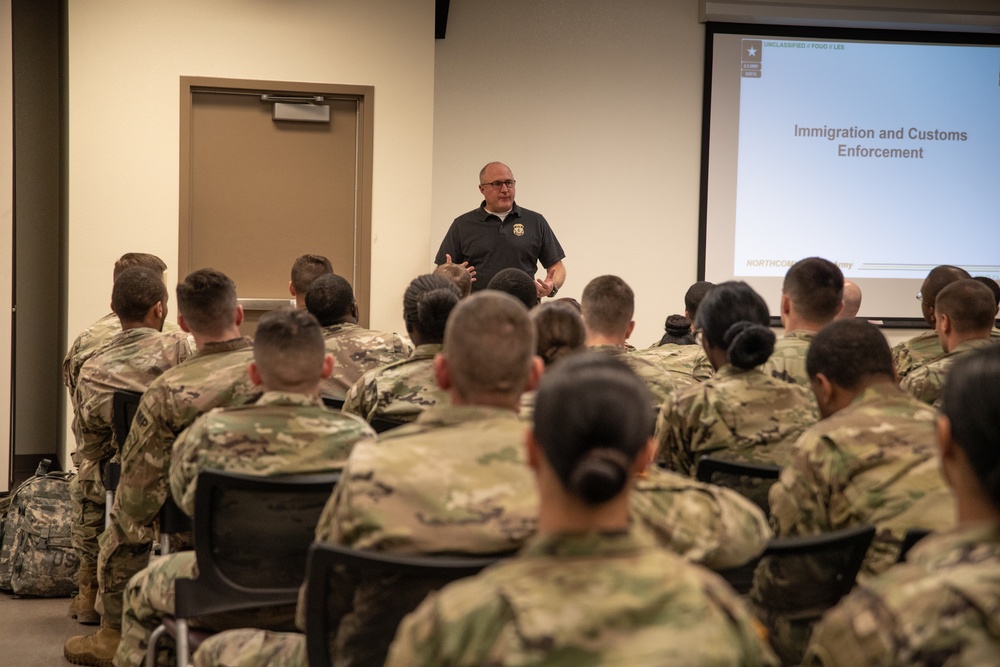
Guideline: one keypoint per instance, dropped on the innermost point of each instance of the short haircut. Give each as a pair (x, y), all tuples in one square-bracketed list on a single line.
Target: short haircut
[(206, 299), (969, 305), (458, 275), (850, 353), (288, 349), (329, 299), (939, 278), (427, 303), (694, 295), (518, 284), (489, 343), (591, 421), (971, 402), (992, 284), (560, 331), (734, 318), (816, 288), (136, 290), (308, 268), (130, 259), (607, 304)]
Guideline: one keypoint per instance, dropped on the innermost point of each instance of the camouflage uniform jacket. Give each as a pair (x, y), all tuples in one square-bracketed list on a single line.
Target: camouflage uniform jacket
[(399, 391), (660, 383), (217, 375), (356, 351), (687, 364), (920, 350), (942, 607), (926, 382), (130, 360), (873, 462), (740, 415), (788, 361), (280, 434), (575, 599)]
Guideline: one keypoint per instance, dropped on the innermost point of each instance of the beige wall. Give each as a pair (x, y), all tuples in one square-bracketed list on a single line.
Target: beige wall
[(125, 60), (6, 230)]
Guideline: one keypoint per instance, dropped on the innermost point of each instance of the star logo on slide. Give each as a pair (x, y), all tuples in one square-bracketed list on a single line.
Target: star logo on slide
[(750, 58), (751, 51)]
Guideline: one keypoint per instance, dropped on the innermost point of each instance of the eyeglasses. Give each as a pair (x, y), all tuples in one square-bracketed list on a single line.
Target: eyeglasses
[(496, 185), (920, 295)]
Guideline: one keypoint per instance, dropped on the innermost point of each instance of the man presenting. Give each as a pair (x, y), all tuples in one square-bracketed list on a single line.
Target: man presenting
[(500, 235)]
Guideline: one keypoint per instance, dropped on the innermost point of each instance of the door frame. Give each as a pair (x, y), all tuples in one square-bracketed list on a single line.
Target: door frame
[(365, 98)]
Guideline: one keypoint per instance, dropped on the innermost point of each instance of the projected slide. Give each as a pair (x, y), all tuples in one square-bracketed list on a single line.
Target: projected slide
[(884, 158)]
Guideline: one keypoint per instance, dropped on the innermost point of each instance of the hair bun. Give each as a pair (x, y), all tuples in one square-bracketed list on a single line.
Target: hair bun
[(600, 475), (748, 345), (678, 326)]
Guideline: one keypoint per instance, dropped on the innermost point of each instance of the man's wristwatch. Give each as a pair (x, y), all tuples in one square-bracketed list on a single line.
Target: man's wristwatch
[(555, 290)]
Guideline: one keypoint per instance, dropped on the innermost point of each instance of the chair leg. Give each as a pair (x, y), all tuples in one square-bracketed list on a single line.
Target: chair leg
[(164, 544), (154, 640), (109, 500), (182, 643)]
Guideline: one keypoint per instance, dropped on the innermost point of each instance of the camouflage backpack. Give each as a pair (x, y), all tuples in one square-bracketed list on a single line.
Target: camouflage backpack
[(36, 548)]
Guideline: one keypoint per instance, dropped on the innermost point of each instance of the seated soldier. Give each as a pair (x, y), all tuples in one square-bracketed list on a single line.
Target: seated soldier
[(402, 390), (676, 351), (457, 275), (926, 347), (941, 606), (305, 270), (518, 284), (993, 286), (631, 603), (741, 414), (812, 295), (871, 460), (852, 301), (455, 481), (559, 333), (130, 360), (355, 350), (216, 375), (287, 431), (964, 314), (607, 306)]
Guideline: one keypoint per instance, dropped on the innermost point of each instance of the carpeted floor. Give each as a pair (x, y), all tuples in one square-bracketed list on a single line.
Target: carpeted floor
[(32, 631)]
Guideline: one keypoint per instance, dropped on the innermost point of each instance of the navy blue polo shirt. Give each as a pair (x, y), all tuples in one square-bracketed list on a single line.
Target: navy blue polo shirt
[(523, 239)]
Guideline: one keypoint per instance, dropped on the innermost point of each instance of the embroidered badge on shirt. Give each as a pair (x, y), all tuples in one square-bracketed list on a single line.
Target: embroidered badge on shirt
[(519, 229)]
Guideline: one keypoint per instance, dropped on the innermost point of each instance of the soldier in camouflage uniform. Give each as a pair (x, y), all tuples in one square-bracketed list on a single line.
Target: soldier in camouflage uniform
[(741, 414), (811, 297), (355, 350), (607, 306), (287, 431), (631, 602), (392, 497), (676, 351), (559, 333), (130, 360), (964, 315), (926, 347), (305, 270), (871, 460), (216, 375), (940, 607), (402, 390)]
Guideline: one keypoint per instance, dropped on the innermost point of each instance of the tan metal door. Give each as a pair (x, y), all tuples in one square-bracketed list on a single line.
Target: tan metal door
[(257, 192)]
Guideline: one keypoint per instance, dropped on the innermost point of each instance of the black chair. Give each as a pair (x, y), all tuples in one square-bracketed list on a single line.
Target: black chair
[(910, 538), (750, 479), (333, 403), (124, 405), (325, 559), (252, 537), (381, 424), (172, 520)]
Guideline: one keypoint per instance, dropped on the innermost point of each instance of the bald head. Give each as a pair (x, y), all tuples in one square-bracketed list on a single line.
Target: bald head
[(852, 301)]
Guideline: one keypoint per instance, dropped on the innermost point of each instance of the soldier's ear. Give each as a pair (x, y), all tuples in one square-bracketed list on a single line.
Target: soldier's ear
[(823, 389), (239, 314), (535, 373), (291, 289), (442, 373), (645, 457), (182, 323), (328, 364), (532, 451), (255, 374), (628, 331)]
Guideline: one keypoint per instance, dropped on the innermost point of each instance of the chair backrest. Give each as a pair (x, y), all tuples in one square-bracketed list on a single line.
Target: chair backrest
[(910, 538), (124, 405), (432, 572), (381, 424), (252, 536), (333, 403), (751, 479)]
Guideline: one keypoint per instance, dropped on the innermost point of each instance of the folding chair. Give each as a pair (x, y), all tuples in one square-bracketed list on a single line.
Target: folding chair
[(910, 538), (124, 405), (252, 537), (324, 559), (333, 403), (746, 478)]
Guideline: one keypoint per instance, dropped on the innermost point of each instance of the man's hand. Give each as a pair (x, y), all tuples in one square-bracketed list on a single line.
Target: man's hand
[(544, 286), (464, 265)]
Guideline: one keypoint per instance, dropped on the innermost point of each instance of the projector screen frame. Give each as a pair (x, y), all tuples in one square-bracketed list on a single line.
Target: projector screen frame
[(713, 28)]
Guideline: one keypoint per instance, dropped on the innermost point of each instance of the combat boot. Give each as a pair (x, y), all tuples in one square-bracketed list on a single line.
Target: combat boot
[(97, 649), (82, 607)]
